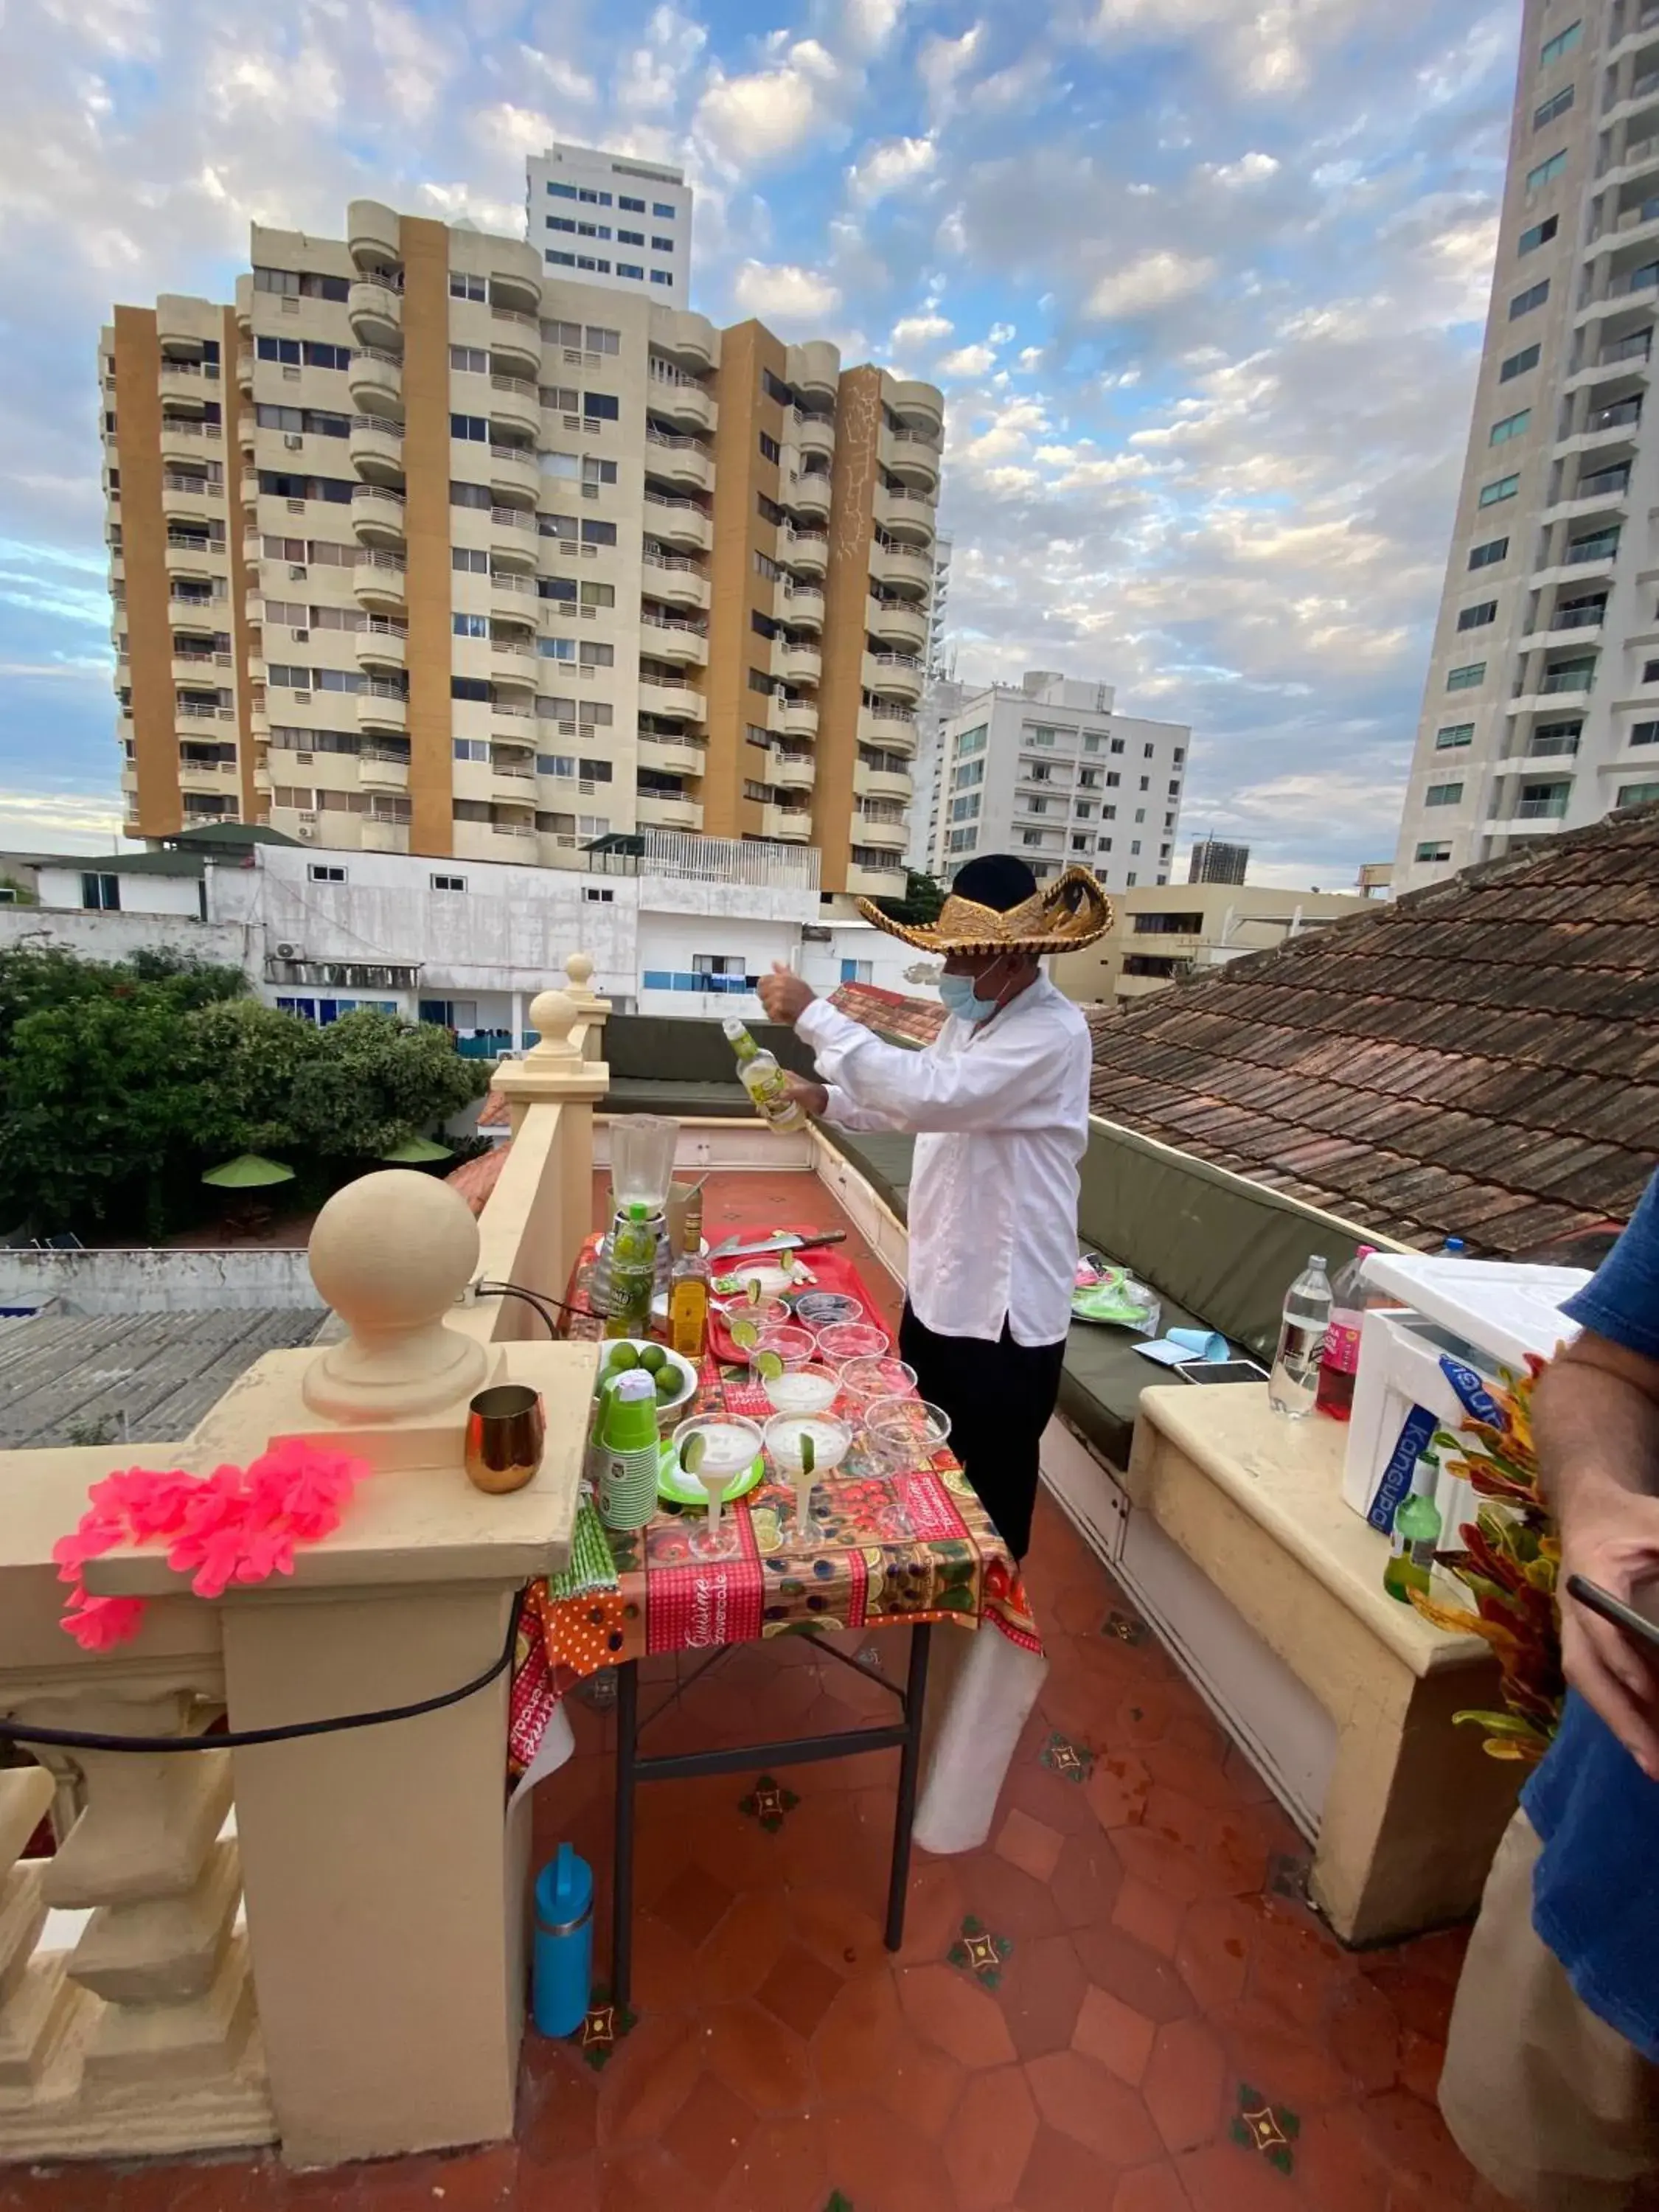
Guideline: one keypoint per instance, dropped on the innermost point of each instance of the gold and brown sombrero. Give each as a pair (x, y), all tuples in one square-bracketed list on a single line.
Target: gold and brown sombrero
[(1058, 917)]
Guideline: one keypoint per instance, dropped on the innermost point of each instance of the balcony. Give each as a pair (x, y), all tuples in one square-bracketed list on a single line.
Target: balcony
[(682, 398), (514, 340), (382, 771), (805, 494), (796, 660), (683, 641), (907, 515), (901, 674), (677, 522), (901, 624), (800, 605), (195, 560), (792, 771), (793, 824), (920, 405), (895, 566), (795, 718), (516, 402), (675, 578), (187, 438), (667, 756), (810, 433), (805, 550), (814, 368), (512, 537), (661, 696), (381, 644), (911, 455), (187, 385), (187, 498), (881, 783), (204, 668), (380, 582), (514, 475), (383, 707), (659, 810), (679, 460), (689, 339), (376, 447), (875, 883), (890, 831), (887, 727), (377, 515), (374, 309)]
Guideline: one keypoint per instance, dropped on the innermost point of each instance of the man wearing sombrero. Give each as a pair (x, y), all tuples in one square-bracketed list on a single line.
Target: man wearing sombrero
[(999, 1105)]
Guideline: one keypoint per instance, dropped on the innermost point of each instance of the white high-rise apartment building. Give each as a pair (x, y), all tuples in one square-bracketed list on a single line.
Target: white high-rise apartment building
[(607, 219), (941, 700), (1541, 710), (1046, 768)]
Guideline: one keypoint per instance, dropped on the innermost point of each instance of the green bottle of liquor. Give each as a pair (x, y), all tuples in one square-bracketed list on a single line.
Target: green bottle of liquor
[(1416, 1534)]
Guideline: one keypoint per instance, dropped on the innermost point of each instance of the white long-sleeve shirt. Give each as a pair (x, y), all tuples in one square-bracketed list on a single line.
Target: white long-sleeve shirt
[(1000, 1111)]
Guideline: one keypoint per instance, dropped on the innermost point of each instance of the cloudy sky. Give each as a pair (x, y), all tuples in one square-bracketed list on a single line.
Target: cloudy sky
[(1203, 280)]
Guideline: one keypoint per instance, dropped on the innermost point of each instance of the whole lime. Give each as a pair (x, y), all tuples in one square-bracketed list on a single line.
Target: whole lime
[(621, 1358), (652, 1358)]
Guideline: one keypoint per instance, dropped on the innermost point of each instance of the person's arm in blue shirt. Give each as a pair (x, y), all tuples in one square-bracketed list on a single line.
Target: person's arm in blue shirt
[(1597, 1426)]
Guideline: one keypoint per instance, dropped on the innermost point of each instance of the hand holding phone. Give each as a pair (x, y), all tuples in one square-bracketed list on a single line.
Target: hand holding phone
[(1634, 1622)]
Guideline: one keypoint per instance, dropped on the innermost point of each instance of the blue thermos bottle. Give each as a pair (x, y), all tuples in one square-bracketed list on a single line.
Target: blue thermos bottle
[(563, 1967)]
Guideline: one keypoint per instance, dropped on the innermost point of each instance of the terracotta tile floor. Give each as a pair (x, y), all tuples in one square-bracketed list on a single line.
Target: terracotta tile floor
[(1119, 2005)]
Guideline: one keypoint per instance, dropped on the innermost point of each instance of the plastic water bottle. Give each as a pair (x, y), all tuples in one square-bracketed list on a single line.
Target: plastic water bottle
[(1295, 1379), (1351, 1296), (563, 1956)]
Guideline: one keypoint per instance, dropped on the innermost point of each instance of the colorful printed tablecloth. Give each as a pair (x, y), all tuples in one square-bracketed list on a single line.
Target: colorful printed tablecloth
[(891, 1550)]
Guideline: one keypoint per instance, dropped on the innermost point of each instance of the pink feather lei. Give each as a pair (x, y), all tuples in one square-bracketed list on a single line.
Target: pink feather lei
[(235, 1525)]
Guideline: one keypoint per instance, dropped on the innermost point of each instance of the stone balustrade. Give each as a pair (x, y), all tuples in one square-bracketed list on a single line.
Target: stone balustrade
[(372, 2003)]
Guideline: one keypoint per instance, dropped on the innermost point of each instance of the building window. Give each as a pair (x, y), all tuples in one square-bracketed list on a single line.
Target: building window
[(972, 741), (1453, 735), (1637, 794), (1547, 172), (1644, 734), (770, 449), (662, 246), (857, 971), (1650, 671), (1433, 852), (464, 287), (1477, 617), (1556, 106), (320, 873), (470, 749), (1510, 426), (1524, 303), (1553, 50), (664, 210), (631, 269), (628, 206), (961, 841), (1442, 794), (662, 276), (560, 260), (469, 560), (562, 192), (593, 198), (1539, 235), (1489, 555), (101, 893), (472, 426), (603, 407), (469, 625), (1467, 678), (449, 883), (1519, 363), (1502, 488), (597, 897)]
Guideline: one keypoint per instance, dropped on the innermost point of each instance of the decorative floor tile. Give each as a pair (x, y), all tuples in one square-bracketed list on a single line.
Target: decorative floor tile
[(1258, 2125), (602, 2029), (1124, 1626), (769, 1803), (979, 1953), (1074, 1762)]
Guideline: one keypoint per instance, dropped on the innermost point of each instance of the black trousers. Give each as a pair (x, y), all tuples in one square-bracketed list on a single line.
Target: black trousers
[(999, 1396)]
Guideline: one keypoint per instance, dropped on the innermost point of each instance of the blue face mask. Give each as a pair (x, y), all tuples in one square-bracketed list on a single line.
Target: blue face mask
[(962, 999)]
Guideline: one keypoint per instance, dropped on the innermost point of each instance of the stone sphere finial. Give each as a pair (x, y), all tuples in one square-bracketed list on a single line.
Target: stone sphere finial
[(579, 968), (553, 1015), (391, 1253)]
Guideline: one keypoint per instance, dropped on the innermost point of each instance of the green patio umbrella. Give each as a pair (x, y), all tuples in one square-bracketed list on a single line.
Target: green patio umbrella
[(417, 1152), (248, 1171)]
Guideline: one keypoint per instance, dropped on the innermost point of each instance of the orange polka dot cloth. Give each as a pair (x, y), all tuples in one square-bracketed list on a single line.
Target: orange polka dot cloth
[(886, 1549)]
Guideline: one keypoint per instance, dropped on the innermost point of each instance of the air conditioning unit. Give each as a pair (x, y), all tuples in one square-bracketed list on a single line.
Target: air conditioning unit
[(296, 507), (287, 951), (304, 756), (297, 571), (293, 441), (301, 636), (302, 698), (586, 787), (308, 830)]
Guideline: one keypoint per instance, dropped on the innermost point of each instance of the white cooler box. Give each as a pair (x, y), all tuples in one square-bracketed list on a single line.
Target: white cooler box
[(1486, 1314)]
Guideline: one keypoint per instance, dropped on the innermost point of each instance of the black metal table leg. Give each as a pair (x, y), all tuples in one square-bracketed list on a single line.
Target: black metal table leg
[(621, 1900), (915, 1697)]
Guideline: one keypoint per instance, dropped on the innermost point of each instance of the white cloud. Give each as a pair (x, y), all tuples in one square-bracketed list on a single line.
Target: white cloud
[(1154, 279), (921, 330), (783, 293), (561, 75), (942, 61), (968, 360), (1248, 169), (774, 112), (653, 73), (889, 167), (869, 25)]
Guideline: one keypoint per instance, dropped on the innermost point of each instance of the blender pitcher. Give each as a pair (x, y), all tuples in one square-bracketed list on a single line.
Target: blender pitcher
[(641, 1169)]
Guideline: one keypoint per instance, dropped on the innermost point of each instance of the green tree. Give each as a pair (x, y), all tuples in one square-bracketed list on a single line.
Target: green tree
[(256, 1055), (378, 1080), (924, 895)]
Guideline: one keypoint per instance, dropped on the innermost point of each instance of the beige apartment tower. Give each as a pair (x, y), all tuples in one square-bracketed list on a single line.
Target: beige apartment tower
[(418, 548)]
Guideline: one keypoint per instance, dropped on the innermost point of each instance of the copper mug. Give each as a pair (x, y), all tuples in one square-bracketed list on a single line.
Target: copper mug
[(506, 1434)]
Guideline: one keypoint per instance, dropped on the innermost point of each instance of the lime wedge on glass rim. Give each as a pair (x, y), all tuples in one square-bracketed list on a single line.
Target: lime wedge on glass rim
[(787, 1260), (756, 1293), (808, 1457), (768, 1365), (745, 1336), (692, 1451)]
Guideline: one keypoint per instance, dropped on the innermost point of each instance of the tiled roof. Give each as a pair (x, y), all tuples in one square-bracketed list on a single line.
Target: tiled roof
[(890, 1014), (1480, 1059), (493, 1114), (476, 1178)]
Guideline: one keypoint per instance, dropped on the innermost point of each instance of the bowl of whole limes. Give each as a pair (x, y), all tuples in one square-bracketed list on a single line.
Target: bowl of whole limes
[(674, 1376)]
